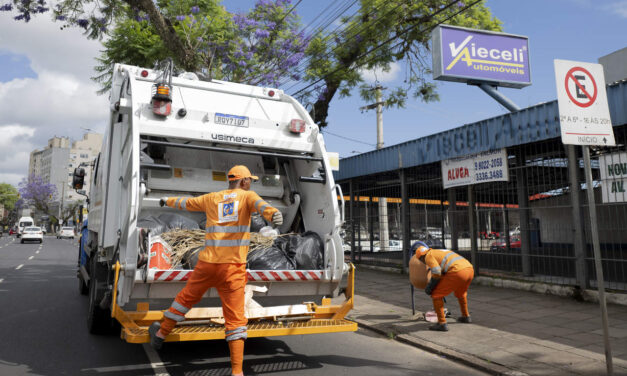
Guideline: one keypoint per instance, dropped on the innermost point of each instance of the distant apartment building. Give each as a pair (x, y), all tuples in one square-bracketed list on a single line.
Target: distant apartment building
[(56, 162), (82, 154)]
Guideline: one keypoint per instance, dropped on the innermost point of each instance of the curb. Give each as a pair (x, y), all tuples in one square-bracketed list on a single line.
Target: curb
[(466, 359)]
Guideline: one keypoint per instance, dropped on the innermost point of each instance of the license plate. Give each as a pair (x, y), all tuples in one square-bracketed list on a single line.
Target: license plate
[(234, 120)]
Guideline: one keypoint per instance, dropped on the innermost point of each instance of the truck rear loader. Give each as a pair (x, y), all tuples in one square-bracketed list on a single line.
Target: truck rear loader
[(173, 135)]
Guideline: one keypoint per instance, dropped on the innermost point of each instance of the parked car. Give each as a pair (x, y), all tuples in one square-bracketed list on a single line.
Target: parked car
[(501, 245), (66, 232), (32, 234), (393, 245)]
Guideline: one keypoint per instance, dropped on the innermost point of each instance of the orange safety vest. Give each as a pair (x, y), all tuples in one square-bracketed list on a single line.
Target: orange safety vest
[(227, 235), (441, 261)]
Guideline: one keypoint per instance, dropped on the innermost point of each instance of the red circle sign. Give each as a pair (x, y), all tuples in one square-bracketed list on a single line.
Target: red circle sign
[(580, 86)]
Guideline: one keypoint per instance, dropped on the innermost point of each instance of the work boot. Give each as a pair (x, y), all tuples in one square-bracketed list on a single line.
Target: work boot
[(464, 319), (439, 327), (155, 341)]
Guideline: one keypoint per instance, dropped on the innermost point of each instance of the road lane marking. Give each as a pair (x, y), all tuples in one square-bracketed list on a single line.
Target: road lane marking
[(19, 267), (36, 251), (155, 361), (30, 258), (1, 279)]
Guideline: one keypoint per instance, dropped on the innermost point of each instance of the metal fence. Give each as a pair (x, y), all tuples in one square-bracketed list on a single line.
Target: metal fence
[(534, 226)]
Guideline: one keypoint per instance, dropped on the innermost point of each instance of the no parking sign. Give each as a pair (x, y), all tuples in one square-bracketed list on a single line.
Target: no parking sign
[(582, 101)]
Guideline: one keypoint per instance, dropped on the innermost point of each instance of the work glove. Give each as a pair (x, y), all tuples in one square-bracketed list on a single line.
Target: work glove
[(431, 285), (163, 201), (277, 218)]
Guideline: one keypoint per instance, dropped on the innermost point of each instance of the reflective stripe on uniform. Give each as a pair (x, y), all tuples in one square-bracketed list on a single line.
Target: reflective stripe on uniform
[(229, 229), (183, 203), (227, 243), (449, 254), (436, 270), (179, 307), (257, 204), (263, 208), (448, 264), (237, 333), (174, 316), (176, 202)]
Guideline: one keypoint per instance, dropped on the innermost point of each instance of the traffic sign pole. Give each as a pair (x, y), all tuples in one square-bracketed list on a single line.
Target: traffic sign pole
[(592, 210)]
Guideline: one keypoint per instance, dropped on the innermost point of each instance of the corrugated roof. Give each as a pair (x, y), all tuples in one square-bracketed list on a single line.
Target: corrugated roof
[(535, 123)]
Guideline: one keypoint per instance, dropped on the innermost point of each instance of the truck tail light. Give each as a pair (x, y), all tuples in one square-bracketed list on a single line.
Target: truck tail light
[(161, 100), (297, 126)]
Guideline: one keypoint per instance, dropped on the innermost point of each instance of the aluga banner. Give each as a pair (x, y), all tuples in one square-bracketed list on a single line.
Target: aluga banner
[(485, 167), (479, 56)]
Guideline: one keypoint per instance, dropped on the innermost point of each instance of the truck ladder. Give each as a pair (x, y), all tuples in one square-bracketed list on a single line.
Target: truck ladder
[(206, 324)]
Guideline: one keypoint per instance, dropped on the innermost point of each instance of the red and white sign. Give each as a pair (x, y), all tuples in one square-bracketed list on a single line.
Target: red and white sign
[(252, 275), (582, 101), (475, 168)]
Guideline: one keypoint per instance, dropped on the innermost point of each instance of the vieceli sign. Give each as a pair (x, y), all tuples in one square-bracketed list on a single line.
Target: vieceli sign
[(477, 56)]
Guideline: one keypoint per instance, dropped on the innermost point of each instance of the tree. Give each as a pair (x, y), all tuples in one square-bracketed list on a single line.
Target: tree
[(381, 33), (70, 210), (36, 192), (8, 196), (264, 47)]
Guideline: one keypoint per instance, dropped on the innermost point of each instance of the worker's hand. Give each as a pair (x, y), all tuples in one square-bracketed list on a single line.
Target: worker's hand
[(431, 286), (163, 201), (277, 218)]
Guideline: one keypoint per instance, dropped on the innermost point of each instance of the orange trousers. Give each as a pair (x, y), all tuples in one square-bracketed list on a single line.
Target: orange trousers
[(230, 281), (456, 282)]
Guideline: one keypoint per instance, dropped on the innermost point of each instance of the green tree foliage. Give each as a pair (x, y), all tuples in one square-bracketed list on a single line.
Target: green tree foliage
[(384, 32), (8, 196)]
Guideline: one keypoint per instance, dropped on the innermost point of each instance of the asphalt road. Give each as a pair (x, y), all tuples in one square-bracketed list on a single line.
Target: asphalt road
[(43, 332)]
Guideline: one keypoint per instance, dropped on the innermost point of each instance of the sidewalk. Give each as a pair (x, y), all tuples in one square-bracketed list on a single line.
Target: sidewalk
[(513, 332)]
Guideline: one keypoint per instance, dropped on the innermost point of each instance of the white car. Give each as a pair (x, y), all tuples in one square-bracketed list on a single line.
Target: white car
[(66, 232), (32, 234), (393, 245)]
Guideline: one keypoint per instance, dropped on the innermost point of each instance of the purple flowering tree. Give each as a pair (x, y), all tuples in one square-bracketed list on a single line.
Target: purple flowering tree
[(36, 192)]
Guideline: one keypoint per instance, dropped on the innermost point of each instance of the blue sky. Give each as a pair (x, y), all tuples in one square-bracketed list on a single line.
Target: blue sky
[(45, 88)]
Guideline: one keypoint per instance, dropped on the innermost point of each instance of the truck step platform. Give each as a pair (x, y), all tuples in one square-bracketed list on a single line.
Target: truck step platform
[(255, 329)]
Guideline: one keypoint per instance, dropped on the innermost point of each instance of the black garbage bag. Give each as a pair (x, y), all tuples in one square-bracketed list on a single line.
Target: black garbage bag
[(271, 258), (307, 250), (256, 223), (191, 259), (153, 224), (175, 221)]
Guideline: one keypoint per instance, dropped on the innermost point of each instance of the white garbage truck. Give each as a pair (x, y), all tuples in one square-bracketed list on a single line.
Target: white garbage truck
[(175, 135)]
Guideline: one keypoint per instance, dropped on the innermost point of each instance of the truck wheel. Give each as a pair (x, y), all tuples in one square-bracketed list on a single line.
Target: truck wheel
[(98, 319)]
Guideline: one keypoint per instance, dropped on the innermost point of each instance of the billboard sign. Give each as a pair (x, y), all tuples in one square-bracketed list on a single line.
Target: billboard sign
[(613, 169), (489, 166), (479, 56)]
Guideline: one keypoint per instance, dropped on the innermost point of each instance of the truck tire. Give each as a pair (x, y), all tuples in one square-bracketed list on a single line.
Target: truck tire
[(98, 320)]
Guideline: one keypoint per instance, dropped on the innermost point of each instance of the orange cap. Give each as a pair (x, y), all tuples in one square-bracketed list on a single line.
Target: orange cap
[(240, 172)]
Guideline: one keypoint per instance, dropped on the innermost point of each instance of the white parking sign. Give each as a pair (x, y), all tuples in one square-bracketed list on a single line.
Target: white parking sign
[(582, 101)]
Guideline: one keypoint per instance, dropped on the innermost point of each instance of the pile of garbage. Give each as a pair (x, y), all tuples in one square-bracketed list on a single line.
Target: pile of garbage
[(269, 250)]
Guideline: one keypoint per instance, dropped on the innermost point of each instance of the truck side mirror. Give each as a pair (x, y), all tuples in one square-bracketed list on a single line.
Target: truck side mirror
[(78, 178)]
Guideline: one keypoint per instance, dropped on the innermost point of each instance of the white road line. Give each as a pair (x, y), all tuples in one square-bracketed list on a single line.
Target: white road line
[(1, 279), (155, 361), (30, 258), (19, 267), (36, 251)]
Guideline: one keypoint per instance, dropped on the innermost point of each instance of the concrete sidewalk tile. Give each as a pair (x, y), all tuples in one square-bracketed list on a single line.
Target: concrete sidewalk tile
[(590, 368), (577, 315), (614, 332), (562, 358), (533, 368), (580, 339)]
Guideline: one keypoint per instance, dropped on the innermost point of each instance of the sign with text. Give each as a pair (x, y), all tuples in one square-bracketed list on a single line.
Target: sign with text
[(614, 177), (475, 56), (484, 167), (582, 102)]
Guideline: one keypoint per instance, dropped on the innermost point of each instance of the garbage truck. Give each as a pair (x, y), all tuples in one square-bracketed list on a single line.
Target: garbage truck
[(173, 134)]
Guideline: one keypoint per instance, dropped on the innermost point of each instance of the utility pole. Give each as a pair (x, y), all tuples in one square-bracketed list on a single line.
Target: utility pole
[(384, 231)]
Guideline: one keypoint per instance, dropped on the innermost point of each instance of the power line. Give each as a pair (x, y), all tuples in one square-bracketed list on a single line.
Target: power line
[(390, 39), (347, 138)]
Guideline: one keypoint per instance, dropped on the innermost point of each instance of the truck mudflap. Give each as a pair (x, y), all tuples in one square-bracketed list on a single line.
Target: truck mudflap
[(208, 324)]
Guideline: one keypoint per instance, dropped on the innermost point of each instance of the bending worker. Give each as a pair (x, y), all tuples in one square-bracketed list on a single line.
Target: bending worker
[(222, 263), (450, 272)]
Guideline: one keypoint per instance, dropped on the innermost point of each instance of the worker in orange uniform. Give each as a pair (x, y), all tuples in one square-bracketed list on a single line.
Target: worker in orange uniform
[(222, 263), (450, 272)]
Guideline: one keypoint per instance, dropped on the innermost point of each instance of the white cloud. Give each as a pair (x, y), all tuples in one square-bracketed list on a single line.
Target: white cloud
[(60, 101), (373, 75), (618, 8), (15, 145)]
